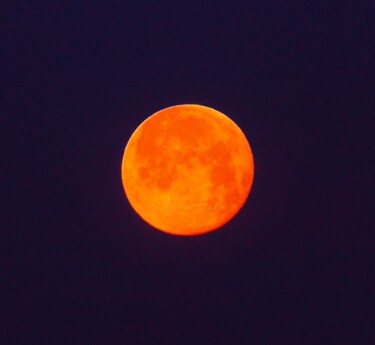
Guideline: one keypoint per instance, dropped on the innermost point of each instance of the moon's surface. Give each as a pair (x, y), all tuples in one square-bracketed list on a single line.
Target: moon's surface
[(187, 169)]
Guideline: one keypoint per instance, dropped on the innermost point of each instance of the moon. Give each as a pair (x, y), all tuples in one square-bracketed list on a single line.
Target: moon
[(187, 170)]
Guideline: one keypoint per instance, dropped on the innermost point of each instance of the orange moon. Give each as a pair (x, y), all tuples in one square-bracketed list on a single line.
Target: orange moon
[(187, 169)]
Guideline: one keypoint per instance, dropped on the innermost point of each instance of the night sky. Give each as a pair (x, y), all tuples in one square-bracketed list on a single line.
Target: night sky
[(78, 266)]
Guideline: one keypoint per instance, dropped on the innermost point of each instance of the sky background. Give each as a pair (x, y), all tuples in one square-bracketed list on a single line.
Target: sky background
[(78, 266)]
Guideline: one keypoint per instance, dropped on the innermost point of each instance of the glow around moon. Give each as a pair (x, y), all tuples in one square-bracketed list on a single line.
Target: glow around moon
[(187, 169)]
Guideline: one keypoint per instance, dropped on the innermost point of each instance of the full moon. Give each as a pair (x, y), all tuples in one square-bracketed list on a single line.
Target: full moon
[(187, 170)]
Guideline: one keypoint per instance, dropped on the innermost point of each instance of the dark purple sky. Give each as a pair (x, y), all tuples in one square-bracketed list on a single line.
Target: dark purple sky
[(78, 266)]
